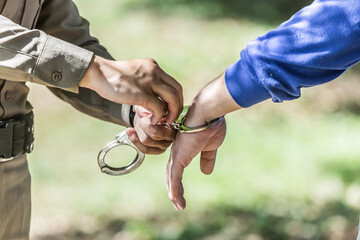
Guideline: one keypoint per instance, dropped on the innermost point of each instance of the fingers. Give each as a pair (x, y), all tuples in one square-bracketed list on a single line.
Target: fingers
[(171, 97), (134, 138), (141, 112), (174, 184), (161, 86), (207, 161), (184, 149), (148, 141), (173, 83), (152, 135), (156, 132), (175, 172), (155, 106), (136, 82)]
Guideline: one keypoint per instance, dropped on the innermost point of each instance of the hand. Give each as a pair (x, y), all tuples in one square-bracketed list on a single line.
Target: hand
[(136, 82), (148, 138), (211, 102), (184, 149)]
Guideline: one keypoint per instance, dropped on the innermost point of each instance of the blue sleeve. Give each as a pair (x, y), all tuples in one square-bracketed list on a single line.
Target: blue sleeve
[(315, 46)]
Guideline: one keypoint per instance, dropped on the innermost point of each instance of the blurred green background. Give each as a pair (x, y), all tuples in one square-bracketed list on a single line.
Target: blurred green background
[(285, 171)]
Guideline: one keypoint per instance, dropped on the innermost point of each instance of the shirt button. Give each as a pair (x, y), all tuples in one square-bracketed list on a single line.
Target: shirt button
[(7, 95), (56, 76)]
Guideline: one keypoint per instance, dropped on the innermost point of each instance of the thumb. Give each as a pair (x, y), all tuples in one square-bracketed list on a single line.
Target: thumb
[(156, 107)]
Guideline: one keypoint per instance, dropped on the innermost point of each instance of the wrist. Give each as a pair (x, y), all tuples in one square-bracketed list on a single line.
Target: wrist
[(199, 113), (211, 102), (92, 74)]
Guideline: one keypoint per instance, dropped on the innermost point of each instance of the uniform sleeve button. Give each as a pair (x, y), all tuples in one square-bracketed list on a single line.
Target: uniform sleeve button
[(7, 95), (56, 76)]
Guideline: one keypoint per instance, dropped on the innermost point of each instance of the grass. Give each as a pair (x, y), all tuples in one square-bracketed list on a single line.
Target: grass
[(284, 171)]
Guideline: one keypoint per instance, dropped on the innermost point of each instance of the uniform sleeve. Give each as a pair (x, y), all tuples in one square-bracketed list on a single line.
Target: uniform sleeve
[(61, 19), (33, 55), (315, 46)]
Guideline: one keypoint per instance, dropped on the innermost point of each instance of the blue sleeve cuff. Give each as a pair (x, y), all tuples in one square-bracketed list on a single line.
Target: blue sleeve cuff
[(315, 46), (242, 88)]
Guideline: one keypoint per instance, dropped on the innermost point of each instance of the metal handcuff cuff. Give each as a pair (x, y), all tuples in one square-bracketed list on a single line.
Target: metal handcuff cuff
[(123, 139)]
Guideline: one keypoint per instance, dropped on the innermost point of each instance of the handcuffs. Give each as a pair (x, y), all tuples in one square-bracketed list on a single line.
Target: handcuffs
[(123, 139)]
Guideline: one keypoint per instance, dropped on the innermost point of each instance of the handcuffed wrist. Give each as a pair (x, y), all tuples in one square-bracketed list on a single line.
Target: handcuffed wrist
[(180, 125)]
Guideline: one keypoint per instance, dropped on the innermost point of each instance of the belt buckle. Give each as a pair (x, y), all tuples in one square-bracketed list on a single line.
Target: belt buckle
[(6, 136)]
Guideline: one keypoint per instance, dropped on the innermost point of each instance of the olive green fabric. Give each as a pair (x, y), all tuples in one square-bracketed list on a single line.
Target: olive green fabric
[(14, 199), (48, 43), (34, 56)]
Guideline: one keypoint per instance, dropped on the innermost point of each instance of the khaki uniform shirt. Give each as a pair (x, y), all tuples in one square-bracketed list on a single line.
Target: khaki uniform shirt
[(47, 42)]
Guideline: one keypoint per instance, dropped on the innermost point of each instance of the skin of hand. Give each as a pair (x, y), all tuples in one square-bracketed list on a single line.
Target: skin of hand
[(149, 138), (136, 82), (212, 102)]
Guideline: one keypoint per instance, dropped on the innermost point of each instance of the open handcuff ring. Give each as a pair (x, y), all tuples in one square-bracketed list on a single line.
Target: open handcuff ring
[(123, 139)]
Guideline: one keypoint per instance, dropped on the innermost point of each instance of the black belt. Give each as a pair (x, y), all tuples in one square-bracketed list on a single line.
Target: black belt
[(16, 135)]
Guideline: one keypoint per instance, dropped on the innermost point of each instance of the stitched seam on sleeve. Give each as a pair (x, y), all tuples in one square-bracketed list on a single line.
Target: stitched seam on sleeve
[(90, 56), (41, 53), (15, 51)]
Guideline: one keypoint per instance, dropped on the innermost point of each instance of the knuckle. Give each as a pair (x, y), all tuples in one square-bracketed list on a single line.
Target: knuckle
[(165, 146), (145, 140), (162, 146), (159, 151), (151, 60), (152, 68), (146, 150), (154, 136), (179, 88), (152, 130), (134, 139)]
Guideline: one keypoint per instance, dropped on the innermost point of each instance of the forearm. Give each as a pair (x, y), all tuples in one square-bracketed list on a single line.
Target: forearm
[(213, 101), (95, 74), (32, 55), (61, 19), (315, 46)]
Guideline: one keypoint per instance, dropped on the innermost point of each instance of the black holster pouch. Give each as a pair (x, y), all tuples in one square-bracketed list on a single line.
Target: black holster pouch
[(16, 135)]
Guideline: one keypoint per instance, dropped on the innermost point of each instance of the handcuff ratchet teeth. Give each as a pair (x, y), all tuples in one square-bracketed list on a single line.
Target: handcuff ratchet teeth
[(123, 139)]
